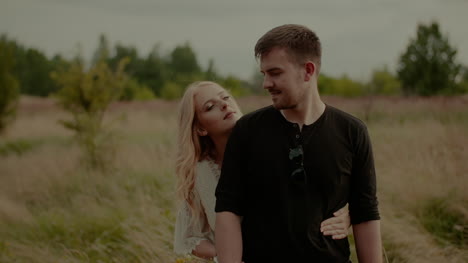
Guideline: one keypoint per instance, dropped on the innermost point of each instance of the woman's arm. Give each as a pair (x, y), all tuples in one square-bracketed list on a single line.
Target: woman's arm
[(205, 249), (192, 238), (337, 226)]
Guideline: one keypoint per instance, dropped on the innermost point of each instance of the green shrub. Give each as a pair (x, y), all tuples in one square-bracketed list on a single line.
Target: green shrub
[(343, 86), (18, 147), (390, 252), (234, 86), (86, 94), (9, 87), (384, 83), (446, 225), (97, 238), (133, 90), (172, 91)]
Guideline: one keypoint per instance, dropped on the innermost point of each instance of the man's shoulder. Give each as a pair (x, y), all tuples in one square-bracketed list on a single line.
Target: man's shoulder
[(345, 118), (256, 116)]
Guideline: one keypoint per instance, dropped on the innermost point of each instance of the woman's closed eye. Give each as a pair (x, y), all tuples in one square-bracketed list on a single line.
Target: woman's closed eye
[(208, 107)]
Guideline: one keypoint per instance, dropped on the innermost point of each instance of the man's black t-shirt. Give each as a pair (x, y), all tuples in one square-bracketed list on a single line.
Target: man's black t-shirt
[(281, 215)]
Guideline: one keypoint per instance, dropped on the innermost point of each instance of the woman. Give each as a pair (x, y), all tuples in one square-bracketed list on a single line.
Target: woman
[(207, 115)]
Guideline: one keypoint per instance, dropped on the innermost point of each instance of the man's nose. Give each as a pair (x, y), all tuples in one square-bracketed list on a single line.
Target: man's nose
[(267, 83)]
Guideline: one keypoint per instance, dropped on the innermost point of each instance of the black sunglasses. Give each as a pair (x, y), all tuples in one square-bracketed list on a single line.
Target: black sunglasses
[(296, 155)]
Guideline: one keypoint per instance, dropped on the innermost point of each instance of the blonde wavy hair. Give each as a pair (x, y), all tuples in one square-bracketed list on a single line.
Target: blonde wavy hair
[(191, 149)]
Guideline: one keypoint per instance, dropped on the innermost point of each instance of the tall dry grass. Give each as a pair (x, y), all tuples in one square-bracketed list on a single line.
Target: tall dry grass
[(53, 210)]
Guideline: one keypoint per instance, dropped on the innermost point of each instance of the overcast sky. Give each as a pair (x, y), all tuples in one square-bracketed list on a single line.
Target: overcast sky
[(357, 35)]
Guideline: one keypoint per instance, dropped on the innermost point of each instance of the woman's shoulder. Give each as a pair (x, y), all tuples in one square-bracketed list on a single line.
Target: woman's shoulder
[(207, 170), (203, 164)]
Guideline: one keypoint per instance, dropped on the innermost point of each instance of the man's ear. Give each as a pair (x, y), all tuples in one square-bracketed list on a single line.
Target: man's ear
[(310, 69)]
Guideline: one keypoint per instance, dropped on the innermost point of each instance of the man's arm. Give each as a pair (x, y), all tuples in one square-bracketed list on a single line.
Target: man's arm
[(368, 241), (228, 238)]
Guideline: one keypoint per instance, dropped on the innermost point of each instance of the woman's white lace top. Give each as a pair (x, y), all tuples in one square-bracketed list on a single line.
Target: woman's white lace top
[(188, 236)]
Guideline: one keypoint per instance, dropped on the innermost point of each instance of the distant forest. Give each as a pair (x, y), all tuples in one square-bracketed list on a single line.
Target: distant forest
[(427, 66)]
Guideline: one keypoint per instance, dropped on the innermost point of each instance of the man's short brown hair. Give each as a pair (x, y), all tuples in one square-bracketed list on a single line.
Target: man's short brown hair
[(299, 41)]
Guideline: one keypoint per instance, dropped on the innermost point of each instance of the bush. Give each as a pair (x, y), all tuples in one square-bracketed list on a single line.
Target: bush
[(384, 83), (343, 86), (171, 91), (86, 95), (17, 147), (446, 225), (133, 90), (9, 87), (234, 86)]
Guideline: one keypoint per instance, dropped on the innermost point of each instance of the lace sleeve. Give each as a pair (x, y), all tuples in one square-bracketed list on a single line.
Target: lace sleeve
[(207, 179), (186, 236)]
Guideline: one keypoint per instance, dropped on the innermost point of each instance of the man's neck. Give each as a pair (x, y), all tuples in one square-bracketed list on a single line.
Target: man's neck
[(306, 113)]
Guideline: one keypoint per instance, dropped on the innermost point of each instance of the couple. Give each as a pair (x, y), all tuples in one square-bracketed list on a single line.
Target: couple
[(279, 173)]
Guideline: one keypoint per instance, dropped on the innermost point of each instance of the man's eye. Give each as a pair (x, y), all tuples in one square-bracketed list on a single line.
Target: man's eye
[(275, 73)]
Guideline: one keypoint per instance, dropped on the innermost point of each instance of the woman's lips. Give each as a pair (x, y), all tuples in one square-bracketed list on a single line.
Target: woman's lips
[(228, 115)]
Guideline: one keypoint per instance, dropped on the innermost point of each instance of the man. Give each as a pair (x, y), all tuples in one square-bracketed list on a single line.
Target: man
[(288, 166)]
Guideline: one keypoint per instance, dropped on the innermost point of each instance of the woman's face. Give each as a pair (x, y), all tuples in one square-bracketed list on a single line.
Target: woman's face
[(217, 112)]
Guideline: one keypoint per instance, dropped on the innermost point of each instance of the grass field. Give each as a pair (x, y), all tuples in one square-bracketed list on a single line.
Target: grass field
[(54, 210)]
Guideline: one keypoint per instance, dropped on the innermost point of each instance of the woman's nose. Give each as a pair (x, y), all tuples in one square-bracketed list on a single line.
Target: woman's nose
[(224, 105)]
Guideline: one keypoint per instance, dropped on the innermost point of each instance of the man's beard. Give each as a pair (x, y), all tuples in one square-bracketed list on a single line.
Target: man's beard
[(284, 106)]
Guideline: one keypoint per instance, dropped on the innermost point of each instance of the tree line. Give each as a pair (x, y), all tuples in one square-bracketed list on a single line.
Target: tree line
[(427, 66), (154, 75)]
